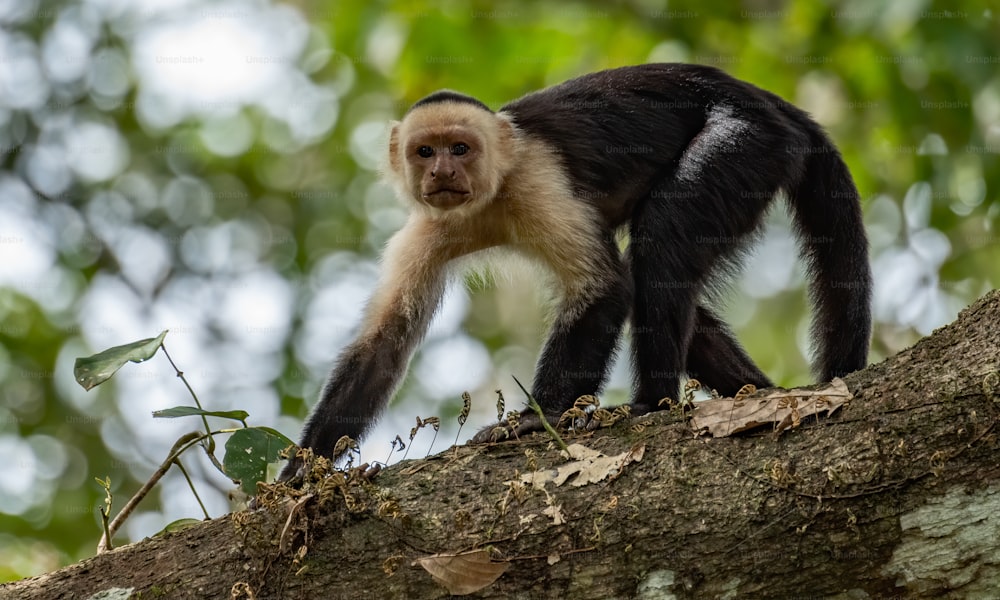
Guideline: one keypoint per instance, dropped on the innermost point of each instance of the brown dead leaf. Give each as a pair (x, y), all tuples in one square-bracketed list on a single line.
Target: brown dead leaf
[(782, 409), (555, 513), (463, 573), (588, 465)]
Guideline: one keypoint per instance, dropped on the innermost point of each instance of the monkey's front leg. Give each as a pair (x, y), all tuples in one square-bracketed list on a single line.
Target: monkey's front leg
[(369, 370), (580, 346)]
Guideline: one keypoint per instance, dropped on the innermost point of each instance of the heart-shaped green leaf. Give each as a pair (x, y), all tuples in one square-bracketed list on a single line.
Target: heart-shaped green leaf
[(248, 452)]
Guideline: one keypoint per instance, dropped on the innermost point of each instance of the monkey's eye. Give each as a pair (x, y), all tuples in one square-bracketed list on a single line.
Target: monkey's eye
[(459, 149), (425, 152)]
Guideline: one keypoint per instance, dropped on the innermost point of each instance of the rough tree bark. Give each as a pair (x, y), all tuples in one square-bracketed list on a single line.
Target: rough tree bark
[(895, 495)]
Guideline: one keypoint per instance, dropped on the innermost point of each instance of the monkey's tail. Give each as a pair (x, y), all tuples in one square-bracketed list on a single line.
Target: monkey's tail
[(826, 208)]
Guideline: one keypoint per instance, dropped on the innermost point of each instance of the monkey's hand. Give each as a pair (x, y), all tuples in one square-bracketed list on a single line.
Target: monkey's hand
[(527, 422)]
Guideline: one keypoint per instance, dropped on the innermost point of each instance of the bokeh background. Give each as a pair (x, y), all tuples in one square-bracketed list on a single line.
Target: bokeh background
[(211, 168)]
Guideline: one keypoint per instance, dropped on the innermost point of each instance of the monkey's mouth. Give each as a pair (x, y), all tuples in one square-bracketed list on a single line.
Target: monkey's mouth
[(447, 198)]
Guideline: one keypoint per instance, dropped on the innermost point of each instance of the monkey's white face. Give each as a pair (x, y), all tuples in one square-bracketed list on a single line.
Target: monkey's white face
[(442, 164), (446, 156)]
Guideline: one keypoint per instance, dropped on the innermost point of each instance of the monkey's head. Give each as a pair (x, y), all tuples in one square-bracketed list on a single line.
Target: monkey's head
[(450, 151)]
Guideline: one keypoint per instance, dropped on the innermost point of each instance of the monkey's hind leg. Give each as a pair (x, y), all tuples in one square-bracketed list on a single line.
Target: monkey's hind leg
[(717, 360), (691, 228)]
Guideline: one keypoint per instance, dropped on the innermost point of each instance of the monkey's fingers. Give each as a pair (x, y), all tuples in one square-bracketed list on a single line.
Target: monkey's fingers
[(292, 472), (368, 472), (527, 423)]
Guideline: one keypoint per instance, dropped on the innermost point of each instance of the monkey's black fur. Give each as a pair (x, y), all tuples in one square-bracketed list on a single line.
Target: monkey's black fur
[(448, 96), (689, 159)]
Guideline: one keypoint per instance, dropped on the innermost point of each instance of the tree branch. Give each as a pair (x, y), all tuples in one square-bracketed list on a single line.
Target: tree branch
[(896, 494)]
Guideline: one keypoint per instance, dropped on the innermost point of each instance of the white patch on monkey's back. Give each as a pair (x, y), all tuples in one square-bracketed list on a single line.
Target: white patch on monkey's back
[(723, 133)]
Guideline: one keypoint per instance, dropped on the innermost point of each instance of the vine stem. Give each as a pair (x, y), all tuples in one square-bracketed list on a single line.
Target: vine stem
[(545, 422), (209, 442), (182, 444)]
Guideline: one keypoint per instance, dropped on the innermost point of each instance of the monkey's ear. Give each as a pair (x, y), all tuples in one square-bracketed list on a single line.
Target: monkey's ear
[(505, 128), (504, 160), (395, 160)]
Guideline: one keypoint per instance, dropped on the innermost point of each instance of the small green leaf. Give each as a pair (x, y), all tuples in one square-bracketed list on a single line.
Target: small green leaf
[(189, 411), (248, 452), (179, 525), (95, 370)]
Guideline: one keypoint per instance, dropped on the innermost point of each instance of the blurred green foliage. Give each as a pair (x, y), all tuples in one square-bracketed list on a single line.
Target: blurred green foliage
[(910, 91)]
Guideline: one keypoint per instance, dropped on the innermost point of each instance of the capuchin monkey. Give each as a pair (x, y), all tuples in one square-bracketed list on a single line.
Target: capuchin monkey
[(684, 158)]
